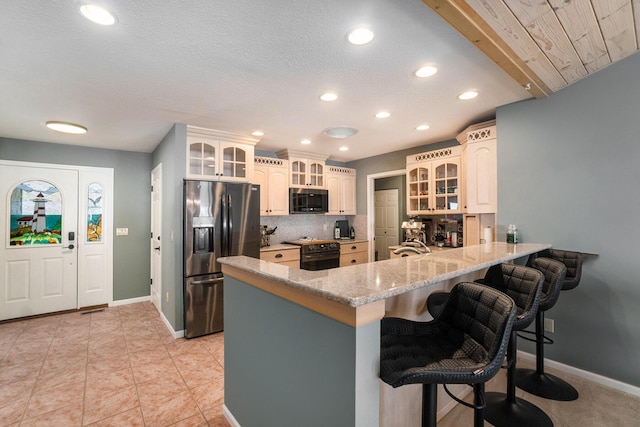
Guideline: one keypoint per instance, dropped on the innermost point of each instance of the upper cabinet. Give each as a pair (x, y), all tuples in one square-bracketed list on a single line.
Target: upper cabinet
[(479, 144), (341, 185), (217, 155), (306, 170), (273, 177), (434, 182)]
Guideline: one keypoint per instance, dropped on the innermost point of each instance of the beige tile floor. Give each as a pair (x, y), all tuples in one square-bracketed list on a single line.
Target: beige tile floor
[(121, 367)]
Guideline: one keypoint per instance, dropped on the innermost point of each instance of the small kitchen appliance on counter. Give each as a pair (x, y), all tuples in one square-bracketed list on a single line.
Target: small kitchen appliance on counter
[(413, 230), (220, 219)]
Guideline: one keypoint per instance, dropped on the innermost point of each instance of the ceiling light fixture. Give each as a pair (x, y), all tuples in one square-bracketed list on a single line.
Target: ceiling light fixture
[(468, 95), (360, 36), (383, 114), (67, 127), (305, 142), (426, 71), (98, 14), (329, 96), (344, 148), (340, 132), (422, 127), (257, 133)]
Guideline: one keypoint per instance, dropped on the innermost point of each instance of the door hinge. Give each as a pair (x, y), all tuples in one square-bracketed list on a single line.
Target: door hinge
[(151, 281), (152, 188), (152, 234)]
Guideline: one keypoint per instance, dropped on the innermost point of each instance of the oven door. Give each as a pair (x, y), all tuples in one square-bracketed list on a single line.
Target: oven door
[(321, 261)]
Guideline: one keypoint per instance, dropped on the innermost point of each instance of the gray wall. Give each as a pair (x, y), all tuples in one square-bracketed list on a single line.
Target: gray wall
[(171, 153), (131, 204), (568, 175)]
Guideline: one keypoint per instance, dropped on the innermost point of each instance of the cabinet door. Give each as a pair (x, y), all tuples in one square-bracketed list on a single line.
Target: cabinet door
[(446, 183), (202, 159), (333, 187), (236, 162), (348, 190), (418, 188), (261, 177), (278, 191), (481, 177), (298, 173), (316, 174)]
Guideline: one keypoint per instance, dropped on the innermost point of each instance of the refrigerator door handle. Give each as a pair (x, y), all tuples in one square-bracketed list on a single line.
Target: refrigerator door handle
[(206, 282), (225, 231), (230, 226)]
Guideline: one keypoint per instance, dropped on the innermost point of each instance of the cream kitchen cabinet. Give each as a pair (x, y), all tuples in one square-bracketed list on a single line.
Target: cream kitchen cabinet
[(306, 170), (218, 155), (282, 254), (354, 252), (341, 185), (480, 166), (434, 182), (273, 177)]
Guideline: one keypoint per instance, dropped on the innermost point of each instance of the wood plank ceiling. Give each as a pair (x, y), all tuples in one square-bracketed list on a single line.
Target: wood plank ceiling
[(546, 45)]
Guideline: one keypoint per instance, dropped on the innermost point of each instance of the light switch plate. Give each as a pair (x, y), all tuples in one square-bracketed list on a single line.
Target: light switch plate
[(122, 231)]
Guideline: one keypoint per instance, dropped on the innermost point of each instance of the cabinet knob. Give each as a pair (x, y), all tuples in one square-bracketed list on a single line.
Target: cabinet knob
[(279, 255), (353, 261), (353, 247)]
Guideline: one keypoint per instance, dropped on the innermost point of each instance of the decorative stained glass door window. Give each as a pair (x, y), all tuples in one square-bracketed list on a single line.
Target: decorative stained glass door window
[(94, 213), (36, 214)]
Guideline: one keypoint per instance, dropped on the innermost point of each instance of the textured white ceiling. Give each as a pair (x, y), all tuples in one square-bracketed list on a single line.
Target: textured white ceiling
[(238, 66)]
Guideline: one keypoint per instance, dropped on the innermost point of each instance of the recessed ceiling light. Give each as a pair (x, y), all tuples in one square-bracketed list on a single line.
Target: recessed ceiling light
[(422, 127), (383, 114), (341, 132), (67, 127), (426, 71), (329, 96), (97, 14), (468, 95), (305, 142), (344, 148), (257, 133), (360, 36)]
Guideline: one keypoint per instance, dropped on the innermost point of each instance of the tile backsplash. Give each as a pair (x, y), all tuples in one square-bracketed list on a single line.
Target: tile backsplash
[(293, 227)]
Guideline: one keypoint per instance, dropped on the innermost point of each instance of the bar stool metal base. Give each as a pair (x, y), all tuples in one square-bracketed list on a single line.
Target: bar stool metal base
[(502, 413), (545, 385)]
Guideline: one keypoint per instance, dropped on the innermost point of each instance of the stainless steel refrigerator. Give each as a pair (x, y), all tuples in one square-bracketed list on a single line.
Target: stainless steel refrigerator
[(220, 219)]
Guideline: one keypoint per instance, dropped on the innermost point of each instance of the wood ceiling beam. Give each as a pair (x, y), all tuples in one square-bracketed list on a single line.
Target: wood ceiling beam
[(468, 23)]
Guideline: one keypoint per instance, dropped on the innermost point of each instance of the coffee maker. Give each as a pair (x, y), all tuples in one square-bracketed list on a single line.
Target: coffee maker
[(413, 230)]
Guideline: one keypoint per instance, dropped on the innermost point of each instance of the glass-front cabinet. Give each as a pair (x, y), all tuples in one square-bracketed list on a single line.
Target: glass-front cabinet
[(306, 170), (216, 155), (433, 182)]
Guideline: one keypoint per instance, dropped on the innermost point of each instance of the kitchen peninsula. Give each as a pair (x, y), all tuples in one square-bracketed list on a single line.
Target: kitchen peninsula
[(302, 347)]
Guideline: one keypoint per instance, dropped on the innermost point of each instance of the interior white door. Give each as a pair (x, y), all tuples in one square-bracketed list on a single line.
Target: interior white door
[(386, 221), (156, 230), (38, 229)]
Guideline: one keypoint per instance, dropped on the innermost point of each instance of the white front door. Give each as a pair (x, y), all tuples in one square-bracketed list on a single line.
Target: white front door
[(38, 231), (386, 221), (156, 230)]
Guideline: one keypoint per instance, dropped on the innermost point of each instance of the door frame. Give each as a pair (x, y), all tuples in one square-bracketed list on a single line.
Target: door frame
[(87, 175), (371, 187), (157, 170)]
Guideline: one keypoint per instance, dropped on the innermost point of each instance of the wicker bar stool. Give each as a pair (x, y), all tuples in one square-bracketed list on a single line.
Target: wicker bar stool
[(464, 345)]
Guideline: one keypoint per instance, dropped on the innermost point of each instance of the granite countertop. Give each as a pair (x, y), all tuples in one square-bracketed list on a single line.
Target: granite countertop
[(363, 284)]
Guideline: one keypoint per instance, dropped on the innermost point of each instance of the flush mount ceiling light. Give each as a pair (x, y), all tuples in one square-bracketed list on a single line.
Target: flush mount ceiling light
[(422, 127), (426, 71), (257, 133), (341, 132), (329, 96), (98, 14), (468, 95), (383, 114), (360, 36), (305, 142), (67, 127)]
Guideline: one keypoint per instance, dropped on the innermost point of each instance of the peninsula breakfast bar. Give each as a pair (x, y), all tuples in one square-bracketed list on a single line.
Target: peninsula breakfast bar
[(302, 347)]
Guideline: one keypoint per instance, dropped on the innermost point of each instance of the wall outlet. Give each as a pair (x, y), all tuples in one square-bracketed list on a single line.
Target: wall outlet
[(549, 325), (122, 231), (167, 297), (324, 226)]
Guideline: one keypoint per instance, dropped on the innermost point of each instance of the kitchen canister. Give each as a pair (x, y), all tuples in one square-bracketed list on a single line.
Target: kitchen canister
[(487, 234)]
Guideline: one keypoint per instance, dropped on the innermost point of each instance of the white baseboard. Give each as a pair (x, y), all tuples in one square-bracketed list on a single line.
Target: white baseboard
[(174, 334), (129, 301), (590, 376), (229, 416)]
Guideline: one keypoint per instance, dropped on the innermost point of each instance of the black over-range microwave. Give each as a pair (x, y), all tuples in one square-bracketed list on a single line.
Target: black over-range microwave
[(308, 200)]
